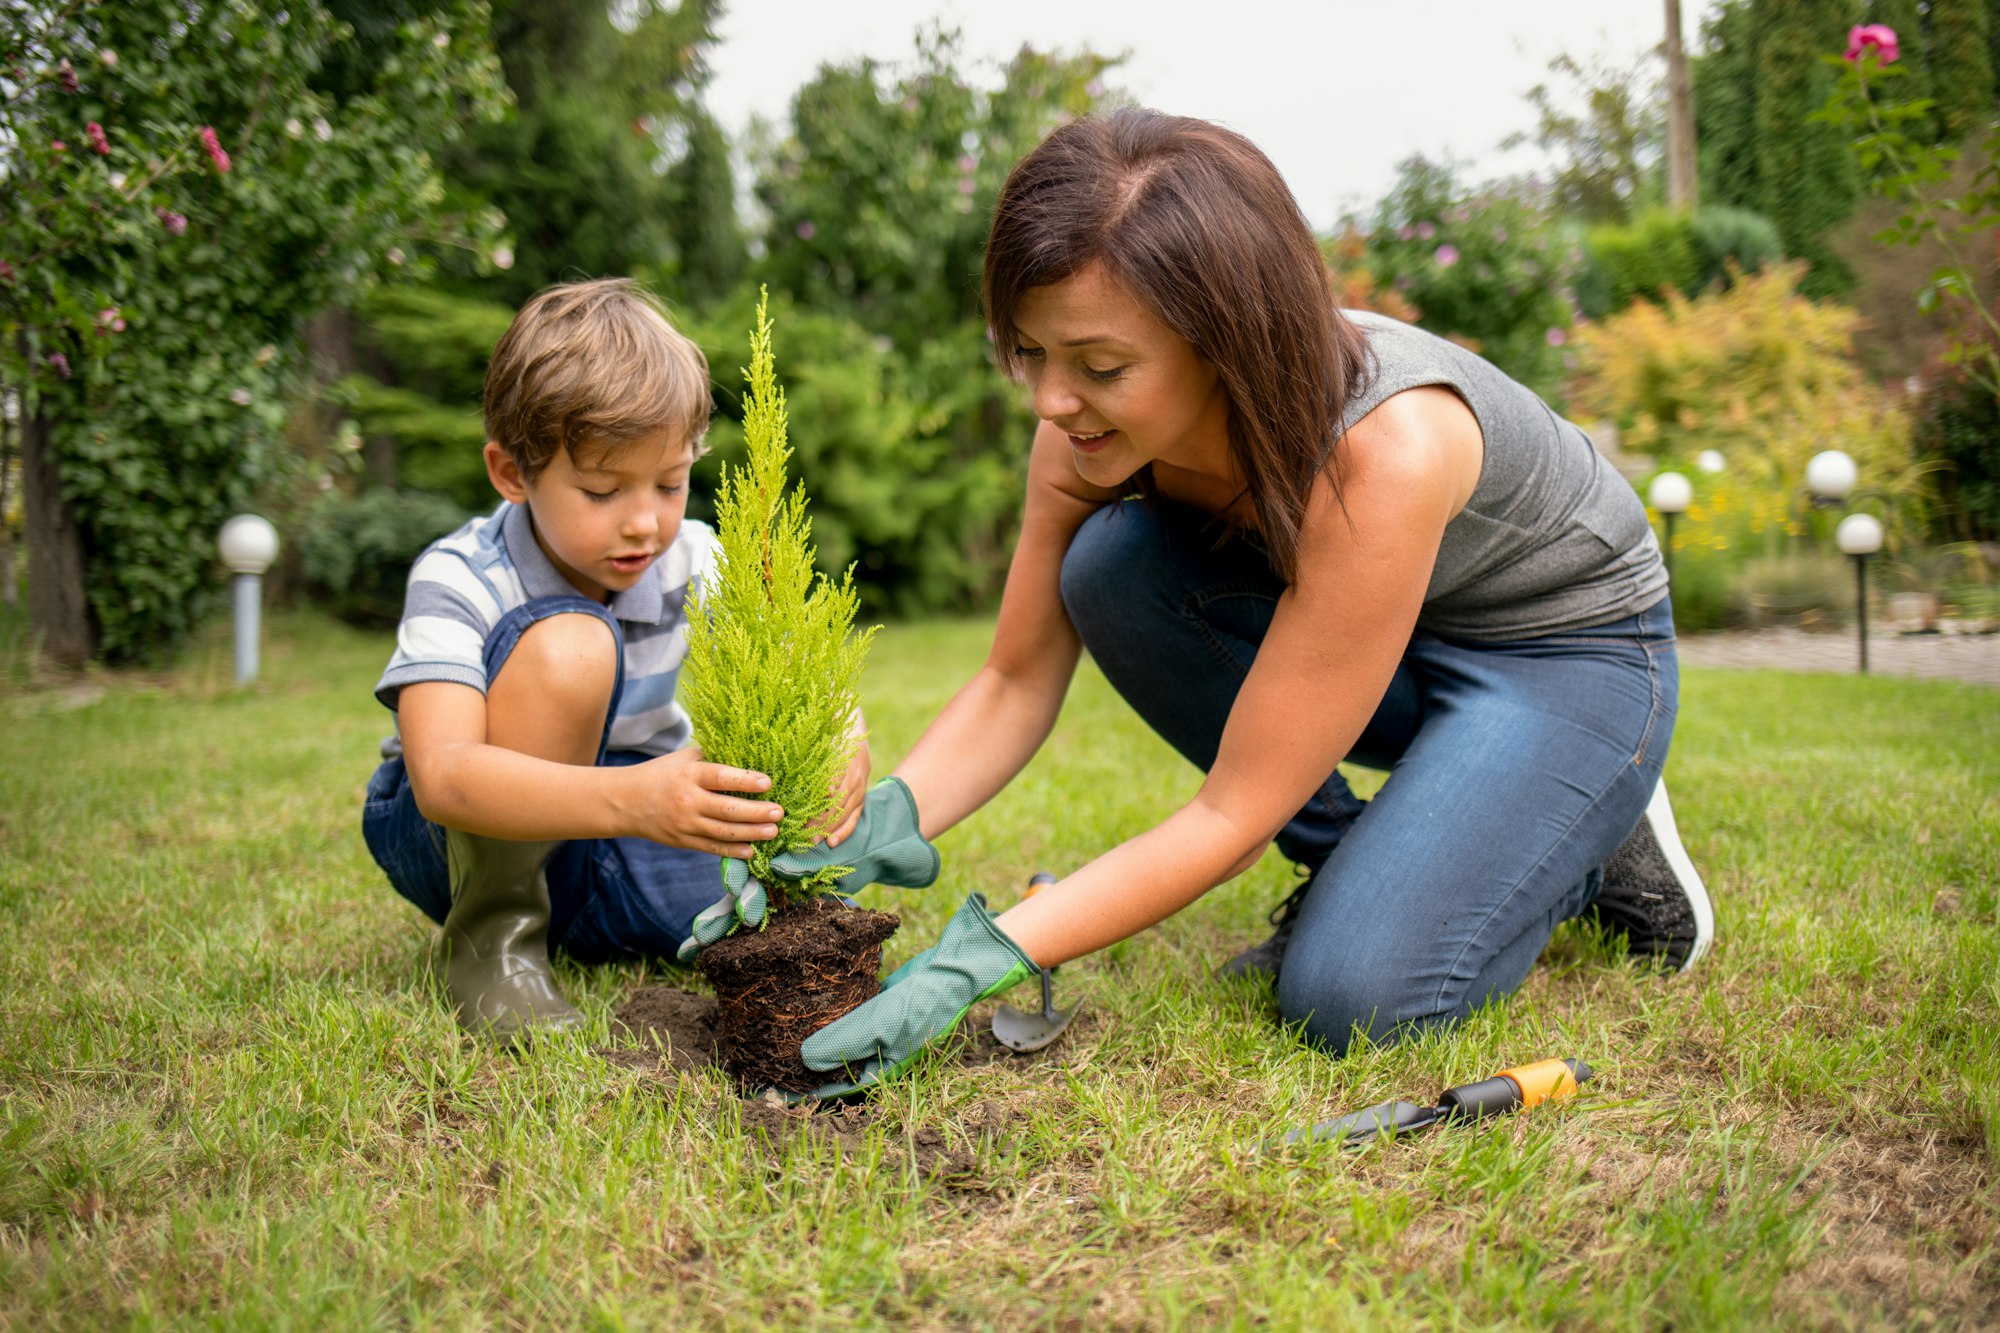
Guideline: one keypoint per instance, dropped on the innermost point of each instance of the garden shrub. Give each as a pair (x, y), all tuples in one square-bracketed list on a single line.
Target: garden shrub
[(1640, 260), (1809, 589), (1958, 425), (1730, 240), (1489, 268), (356, 553), (1760, 374), (926, 522)]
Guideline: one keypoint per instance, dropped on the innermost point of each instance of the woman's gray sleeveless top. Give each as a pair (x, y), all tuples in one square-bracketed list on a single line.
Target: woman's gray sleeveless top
[(1553, 538)]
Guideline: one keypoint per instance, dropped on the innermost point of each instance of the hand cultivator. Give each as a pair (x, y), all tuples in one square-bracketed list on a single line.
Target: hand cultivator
[(1031, 1032)]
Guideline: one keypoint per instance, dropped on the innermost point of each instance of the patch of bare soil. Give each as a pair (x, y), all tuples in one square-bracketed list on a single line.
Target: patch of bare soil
[(679, 1032), (1912, 1228), (673, 1031)]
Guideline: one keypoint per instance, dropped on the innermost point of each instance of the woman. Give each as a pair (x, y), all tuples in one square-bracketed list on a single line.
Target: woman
[(1292, 536)]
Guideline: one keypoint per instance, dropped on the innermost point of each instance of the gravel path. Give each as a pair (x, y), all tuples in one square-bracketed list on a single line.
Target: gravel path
[(1968, 657)]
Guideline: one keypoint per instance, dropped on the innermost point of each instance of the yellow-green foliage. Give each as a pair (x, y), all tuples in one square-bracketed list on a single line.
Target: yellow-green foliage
[(773, 664), (1759, 373)]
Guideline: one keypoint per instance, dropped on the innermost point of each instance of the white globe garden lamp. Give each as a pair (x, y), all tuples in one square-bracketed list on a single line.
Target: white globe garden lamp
[(1670, 495), (247, 544), (1830, 476), (1710, 460), (1860, 536)]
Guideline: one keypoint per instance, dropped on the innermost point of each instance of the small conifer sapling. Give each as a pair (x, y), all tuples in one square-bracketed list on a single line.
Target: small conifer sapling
[(773, 660)]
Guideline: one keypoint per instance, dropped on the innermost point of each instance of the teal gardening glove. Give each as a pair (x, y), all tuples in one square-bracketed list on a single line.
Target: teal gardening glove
[(920, 1002), (886, 846), (743, 900)]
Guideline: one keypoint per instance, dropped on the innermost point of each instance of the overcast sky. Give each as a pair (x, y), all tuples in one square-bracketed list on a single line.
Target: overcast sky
[(1336, 92)]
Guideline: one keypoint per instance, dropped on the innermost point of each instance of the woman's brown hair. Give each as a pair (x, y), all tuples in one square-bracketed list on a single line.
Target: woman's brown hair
[(1197, 223)]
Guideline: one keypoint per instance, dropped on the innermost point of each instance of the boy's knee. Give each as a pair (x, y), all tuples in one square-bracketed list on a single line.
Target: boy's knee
[(568, 661)]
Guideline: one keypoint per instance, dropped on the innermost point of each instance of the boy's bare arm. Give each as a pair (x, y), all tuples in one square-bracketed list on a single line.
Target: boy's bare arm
[(463, 782)]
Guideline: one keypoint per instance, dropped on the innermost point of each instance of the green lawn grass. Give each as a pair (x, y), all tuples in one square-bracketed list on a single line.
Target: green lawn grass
[(226, 1098)]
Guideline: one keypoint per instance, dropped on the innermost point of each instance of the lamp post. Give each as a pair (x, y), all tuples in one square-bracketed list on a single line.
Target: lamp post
[(248, 544), (1670, 494), (1860, 536), (1830, 476)]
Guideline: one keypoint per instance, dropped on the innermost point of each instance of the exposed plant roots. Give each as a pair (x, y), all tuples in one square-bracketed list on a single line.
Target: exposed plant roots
[(777, 986)]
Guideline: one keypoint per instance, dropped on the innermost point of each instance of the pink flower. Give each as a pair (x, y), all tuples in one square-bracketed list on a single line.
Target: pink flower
[(1426, 230), (1878, 35), (966, 185), (67, 73), (1446, 256), (58, 146), (1556, 336), (967, 163), (97, 139), (59, 361), (1405, 232), (807, 230), (214, 147), (175, 223), (109, 321)]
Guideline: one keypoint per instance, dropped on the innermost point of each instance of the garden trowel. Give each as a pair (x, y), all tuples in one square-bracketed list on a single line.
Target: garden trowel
[(1019, 1031)]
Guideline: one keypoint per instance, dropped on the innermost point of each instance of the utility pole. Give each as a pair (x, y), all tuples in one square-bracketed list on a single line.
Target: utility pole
[(1681, 188)]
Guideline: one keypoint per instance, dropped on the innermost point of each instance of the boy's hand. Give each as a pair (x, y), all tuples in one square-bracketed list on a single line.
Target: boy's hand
[(852, 792), (686, 802)]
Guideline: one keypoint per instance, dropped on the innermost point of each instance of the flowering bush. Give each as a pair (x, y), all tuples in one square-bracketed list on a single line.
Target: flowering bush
[(1763, 376), (186, 182), (1487, 268)]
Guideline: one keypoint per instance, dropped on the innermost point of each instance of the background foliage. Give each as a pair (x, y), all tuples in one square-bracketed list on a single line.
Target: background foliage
[(258, 357), (164, 406)]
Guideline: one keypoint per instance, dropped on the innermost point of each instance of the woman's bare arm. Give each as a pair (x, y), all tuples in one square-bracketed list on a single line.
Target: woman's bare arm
[(993, 726), (1333, 645)]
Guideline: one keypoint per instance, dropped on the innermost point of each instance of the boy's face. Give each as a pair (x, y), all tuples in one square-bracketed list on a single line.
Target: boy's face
[(603, 520)]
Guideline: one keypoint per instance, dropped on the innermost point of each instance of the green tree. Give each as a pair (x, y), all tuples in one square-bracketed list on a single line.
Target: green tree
[(879, 196), (609, 163), (1755, 92), (1956, 69), (773, 664), (1610, 149)]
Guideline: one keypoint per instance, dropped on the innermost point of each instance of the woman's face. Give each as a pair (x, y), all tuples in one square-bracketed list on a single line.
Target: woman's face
[(1127, 390)]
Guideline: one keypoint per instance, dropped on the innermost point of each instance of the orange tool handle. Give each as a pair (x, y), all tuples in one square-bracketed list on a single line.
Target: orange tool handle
[(1546, 1080)]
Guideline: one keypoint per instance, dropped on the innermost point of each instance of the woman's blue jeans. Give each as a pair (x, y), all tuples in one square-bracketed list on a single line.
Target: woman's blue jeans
[(1515, 770)]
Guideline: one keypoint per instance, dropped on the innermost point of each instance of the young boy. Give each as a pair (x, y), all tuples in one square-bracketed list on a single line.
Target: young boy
[(542, 786)]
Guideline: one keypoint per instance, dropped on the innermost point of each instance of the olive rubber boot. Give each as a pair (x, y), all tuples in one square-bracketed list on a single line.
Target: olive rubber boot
[(492, 955)]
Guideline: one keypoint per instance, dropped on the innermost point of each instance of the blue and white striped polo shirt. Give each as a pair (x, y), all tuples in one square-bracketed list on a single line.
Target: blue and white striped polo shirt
[(464, 583)]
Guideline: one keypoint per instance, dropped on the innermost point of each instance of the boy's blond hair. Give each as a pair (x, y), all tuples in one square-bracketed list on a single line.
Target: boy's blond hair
[(589, 365)]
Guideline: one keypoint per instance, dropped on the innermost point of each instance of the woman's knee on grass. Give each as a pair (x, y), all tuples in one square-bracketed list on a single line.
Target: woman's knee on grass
[(1331, 1001), (550, 697)]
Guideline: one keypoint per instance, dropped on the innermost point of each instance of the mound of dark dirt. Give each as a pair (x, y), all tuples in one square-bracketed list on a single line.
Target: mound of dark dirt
[(777, 986), (671, 1029)]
